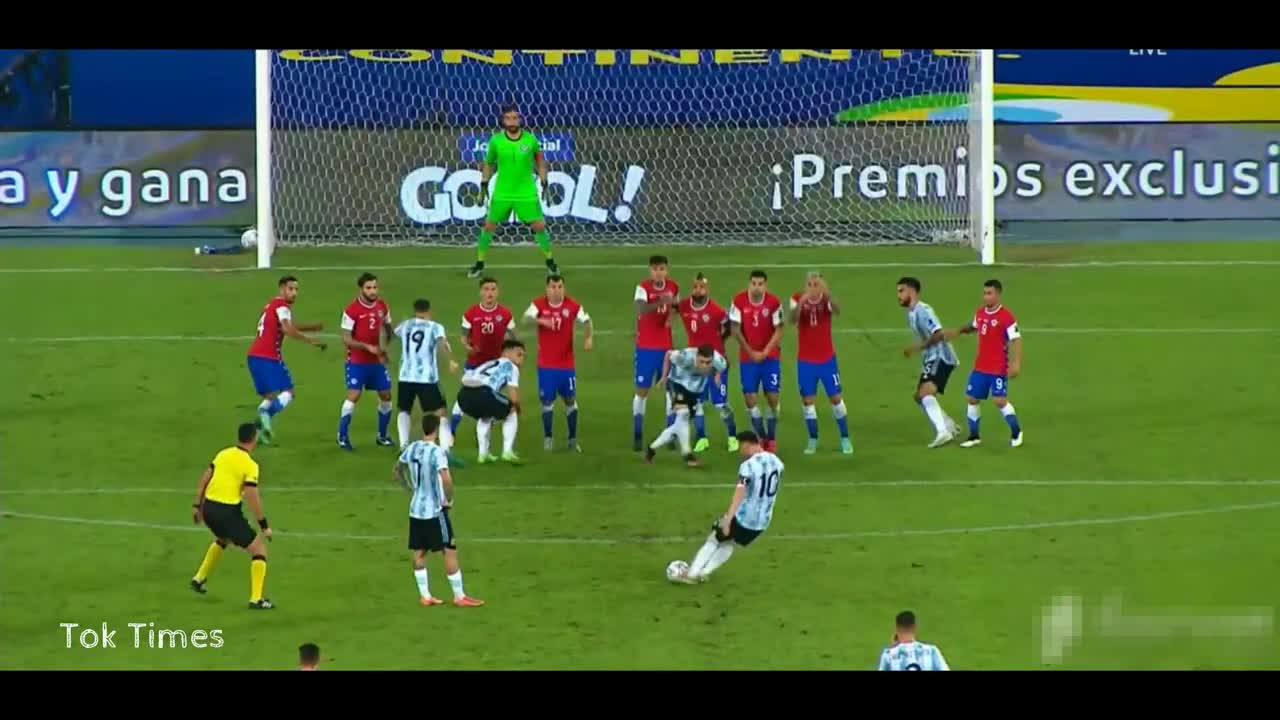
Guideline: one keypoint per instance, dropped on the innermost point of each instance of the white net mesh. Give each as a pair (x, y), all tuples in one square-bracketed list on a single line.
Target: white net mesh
[(672, 146)]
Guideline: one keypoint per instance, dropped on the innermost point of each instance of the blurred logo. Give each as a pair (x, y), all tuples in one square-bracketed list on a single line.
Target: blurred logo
[(556, 147)]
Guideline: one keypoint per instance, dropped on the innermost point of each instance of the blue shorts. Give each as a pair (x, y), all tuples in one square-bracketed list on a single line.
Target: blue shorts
[(767, 372), (810, 374), (368, 376), (648, 367), (983, 384), (269, 376), (553, 382), (717, 393)]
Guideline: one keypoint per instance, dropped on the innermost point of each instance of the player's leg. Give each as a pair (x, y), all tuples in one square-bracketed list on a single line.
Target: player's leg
[(355, 386), (720, 398), (455, 416), (406, 394), (807, 382), (645, 375), (772, 377), (665, 438), (751, 376), (499, 210), (211, 557), (926, 395), (830, 377), (976, 390), (568, 391), (540, 235), (419, 558), (451, 566), (380, 379), (547, 396), (510, 424), (1000, 397), (700, 426), (257, 572)]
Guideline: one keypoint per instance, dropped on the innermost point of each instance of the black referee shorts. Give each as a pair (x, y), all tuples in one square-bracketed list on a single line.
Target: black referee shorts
[(227, 522)]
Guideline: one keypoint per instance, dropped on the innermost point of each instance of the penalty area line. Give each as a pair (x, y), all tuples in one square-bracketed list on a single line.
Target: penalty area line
[(645, 540)]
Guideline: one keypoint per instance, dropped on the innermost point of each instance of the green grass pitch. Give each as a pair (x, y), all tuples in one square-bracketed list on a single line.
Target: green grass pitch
[(1148, 397)]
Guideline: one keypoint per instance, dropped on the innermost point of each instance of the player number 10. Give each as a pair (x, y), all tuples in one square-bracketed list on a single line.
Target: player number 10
[(770, 485)]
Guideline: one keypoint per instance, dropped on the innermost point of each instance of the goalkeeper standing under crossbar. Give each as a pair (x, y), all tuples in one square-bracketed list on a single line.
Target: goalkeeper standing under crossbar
[(516, 152)]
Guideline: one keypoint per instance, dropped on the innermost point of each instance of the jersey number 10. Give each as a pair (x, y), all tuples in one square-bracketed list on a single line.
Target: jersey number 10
[(769, 487)]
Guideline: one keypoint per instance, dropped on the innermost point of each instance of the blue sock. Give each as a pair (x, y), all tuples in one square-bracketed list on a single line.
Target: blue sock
[(454, 421), (275, 407), (842, 418), (1011, 417), (730, 424), (571, 417), (671, 419), (700, 425), (757, 422), (384, 418), (547, 416), (344, 420), (771, 427)]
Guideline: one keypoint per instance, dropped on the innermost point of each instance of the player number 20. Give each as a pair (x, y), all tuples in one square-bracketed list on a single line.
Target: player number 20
[(769, 487), (486, 328)]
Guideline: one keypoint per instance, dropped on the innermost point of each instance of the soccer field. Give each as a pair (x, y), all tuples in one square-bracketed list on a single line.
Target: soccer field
[(1147, 394)]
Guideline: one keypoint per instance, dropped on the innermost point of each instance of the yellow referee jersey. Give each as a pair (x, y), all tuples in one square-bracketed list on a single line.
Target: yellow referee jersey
[(233, 468)]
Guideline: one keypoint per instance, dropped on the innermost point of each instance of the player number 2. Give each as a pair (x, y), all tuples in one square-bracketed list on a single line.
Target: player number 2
[(769, 487), (373, 322)]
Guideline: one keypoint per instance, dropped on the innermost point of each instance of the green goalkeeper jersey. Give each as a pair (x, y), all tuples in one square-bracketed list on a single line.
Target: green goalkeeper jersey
[(515, 162)]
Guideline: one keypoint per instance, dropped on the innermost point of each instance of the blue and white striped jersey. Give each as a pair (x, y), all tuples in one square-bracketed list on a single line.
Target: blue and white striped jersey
[(760, 474), (924, 322), (912, 656), (685, 372), (419, 339), (494, 374), (426, 461)]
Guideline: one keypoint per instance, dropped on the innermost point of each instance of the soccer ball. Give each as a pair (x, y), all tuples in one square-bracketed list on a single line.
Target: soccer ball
[(250, 238), (677, 569)]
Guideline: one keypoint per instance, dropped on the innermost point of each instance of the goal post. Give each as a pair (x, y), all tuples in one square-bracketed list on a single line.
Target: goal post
[(645, 147)]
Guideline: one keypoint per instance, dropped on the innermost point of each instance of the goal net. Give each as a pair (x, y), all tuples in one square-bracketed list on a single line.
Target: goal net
[(644, 146)]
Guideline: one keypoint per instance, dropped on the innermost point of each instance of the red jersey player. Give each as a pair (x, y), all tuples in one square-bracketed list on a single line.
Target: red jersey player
[(556, 314), (485, 326), (706, 323), (997, 331), (756, 321), (271, 378), (366, 326), (811, 312), (653, 300)]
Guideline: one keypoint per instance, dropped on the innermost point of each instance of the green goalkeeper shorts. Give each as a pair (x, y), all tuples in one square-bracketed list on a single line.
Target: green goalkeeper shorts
[(527, 211)]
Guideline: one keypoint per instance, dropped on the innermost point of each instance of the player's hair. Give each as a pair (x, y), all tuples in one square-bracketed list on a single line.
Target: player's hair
[(286, 280), (910, 282), (509, 108), (247, 432), (813, 275), (698, 277), (994, 283), (511, 343), (706, 350), (486, 280), (760, 274), (906, 620), (309, 653), (748, 436), (430, 424), (555, 278), (364, 278), (658, 260), (421, 305)]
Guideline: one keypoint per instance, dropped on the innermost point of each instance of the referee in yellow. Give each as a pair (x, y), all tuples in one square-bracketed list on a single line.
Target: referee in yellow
[(233, 474)]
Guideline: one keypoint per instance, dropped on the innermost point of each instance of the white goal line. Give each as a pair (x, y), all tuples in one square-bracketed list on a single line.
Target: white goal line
[(608, 333), (648, 540), (815, 265)]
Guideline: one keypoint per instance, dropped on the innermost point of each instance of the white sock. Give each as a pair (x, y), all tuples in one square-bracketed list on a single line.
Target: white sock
[(482, 436), (403, 423), (664, 437), (704, 555), (457, 409), (264, 406), (446, 435), (934, 411), (839, 410), (384, 407), (974, 412), (726, 412), (810, 412), (668, 404), (455, 582), (719, 557), (637, 405), (682, 430), (1006, 411), (698, 411), (348, 408), (420, 574), (285, 398), (509, 427)]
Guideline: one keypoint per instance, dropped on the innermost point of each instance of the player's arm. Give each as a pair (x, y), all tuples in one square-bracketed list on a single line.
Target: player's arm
[(1015, 344), (348, 325), (735, 328), (448, 351), (465, 336), (588, 329), (972, 327), (936, 335), (940, 661), (541, 164), (205, 477), (666, 367), (486, 172), (446, 480), (739, 494), (531, 318), (777, 332), (400, 473), (254, 500), (642, 302), (793, 310), (384, 337)]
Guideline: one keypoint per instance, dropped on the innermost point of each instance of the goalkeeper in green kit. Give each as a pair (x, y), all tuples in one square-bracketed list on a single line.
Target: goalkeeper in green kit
[(516, 152)]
